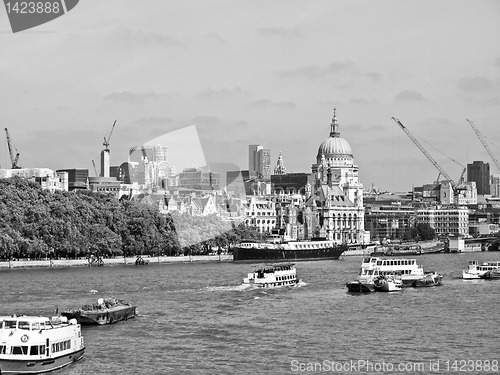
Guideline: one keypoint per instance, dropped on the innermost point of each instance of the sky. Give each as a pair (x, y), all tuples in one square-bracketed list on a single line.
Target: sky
[(258, 72)]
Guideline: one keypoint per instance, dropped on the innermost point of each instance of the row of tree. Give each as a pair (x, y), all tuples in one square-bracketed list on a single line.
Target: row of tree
[(37, 224)]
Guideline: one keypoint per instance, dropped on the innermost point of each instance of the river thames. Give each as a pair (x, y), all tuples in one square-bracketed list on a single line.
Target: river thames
[(197, 318)]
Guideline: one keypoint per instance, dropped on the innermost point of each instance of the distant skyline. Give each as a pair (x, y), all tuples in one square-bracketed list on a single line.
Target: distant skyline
[(267, 73)]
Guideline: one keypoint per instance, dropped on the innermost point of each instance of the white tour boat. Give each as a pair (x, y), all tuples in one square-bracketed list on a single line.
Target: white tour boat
[(408, 268), (478, 271), (275, 275), (35, 344), (390, 282)]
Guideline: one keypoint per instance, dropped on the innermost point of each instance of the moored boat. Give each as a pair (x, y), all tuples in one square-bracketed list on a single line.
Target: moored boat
[(275, 275), (35, 344), (390, 282), (287, 250), (477, 271), (430, 279), (104, 311)]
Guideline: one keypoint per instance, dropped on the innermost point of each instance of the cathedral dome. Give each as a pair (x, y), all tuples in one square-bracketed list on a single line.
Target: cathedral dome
[(334, 146)]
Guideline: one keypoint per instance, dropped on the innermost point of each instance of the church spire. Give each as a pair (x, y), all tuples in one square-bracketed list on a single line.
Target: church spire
[(280, 166), (334, 128)]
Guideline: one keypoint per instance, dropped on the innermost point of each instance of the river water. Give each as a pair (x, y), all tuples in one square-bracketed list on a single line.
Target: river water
[(197, 318)]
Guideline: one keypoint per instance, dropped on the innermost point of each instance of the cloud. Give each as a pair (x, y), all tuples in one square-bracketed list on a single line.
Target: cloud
[(145, 38), (362, 101), (206, 121), (153, 120), (409, 96), (317, 72), (375, 76), (266, 103), (129, 97), (475, 84), (211, 93), (281, 31)]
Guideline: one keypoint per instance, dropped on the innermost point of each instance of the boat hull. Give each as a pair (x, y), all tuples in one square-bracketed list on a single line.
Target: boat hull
[(39, 366), (429, 280), (359, 287), (252, 254), (388, 286), (102, 316)]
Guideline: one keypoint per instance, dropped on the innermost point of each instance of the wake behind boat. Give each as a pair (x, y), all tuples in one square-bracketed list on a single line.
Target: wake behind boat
[(275, 275), (279, 250), (104, 311), (35, 344)]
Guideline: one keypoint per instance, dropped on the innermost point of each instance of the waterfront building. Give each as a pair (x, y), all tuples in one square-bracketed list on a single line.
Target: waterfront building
[(291, 183), (199, 179), (390, 220), (445, 220), (261, 214), (479, 172), (77, 178), (334, 198), (495, 185), (45, 177)]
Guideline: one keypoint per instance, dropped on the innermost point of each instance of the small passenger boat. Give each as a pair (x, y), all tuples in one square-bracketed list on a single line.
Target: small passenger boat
[(105, 311), (430, 279), (275, 275), (364, 283), (408, 268), (35, 344), (390, 282), (477, 271)]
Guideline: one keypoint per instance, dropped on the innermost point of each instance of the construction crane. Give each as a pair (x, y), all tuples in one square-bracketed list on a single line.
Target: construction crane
[(424, 151), (13, 159), (483, 141), (95, 169), (106, 140)]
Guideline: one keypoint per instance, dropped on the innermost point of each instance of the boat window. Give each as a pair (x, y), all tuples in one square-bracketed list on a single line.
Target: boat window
[(19, 349), (2, 349), (379, 263), (34, 350), (42, 349), (10, 324), (23, 325), (48, 325)]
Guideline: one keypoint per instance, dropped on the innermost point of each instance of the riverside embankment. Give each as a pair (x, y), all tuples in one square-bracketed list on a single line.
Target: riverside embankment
[(83, 262)]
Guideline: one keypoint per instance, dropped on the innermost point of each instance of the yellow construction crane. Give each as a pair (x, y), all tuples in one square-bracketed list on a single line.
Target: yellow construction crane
[(106, 140), (13, 159), (483, 141), (454, 185), (95, 169)]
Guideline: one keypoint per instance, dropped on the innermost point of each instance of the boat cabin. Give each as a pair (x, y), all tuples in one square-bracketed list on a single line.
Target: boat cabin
[(279, 274), (408, 268)]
